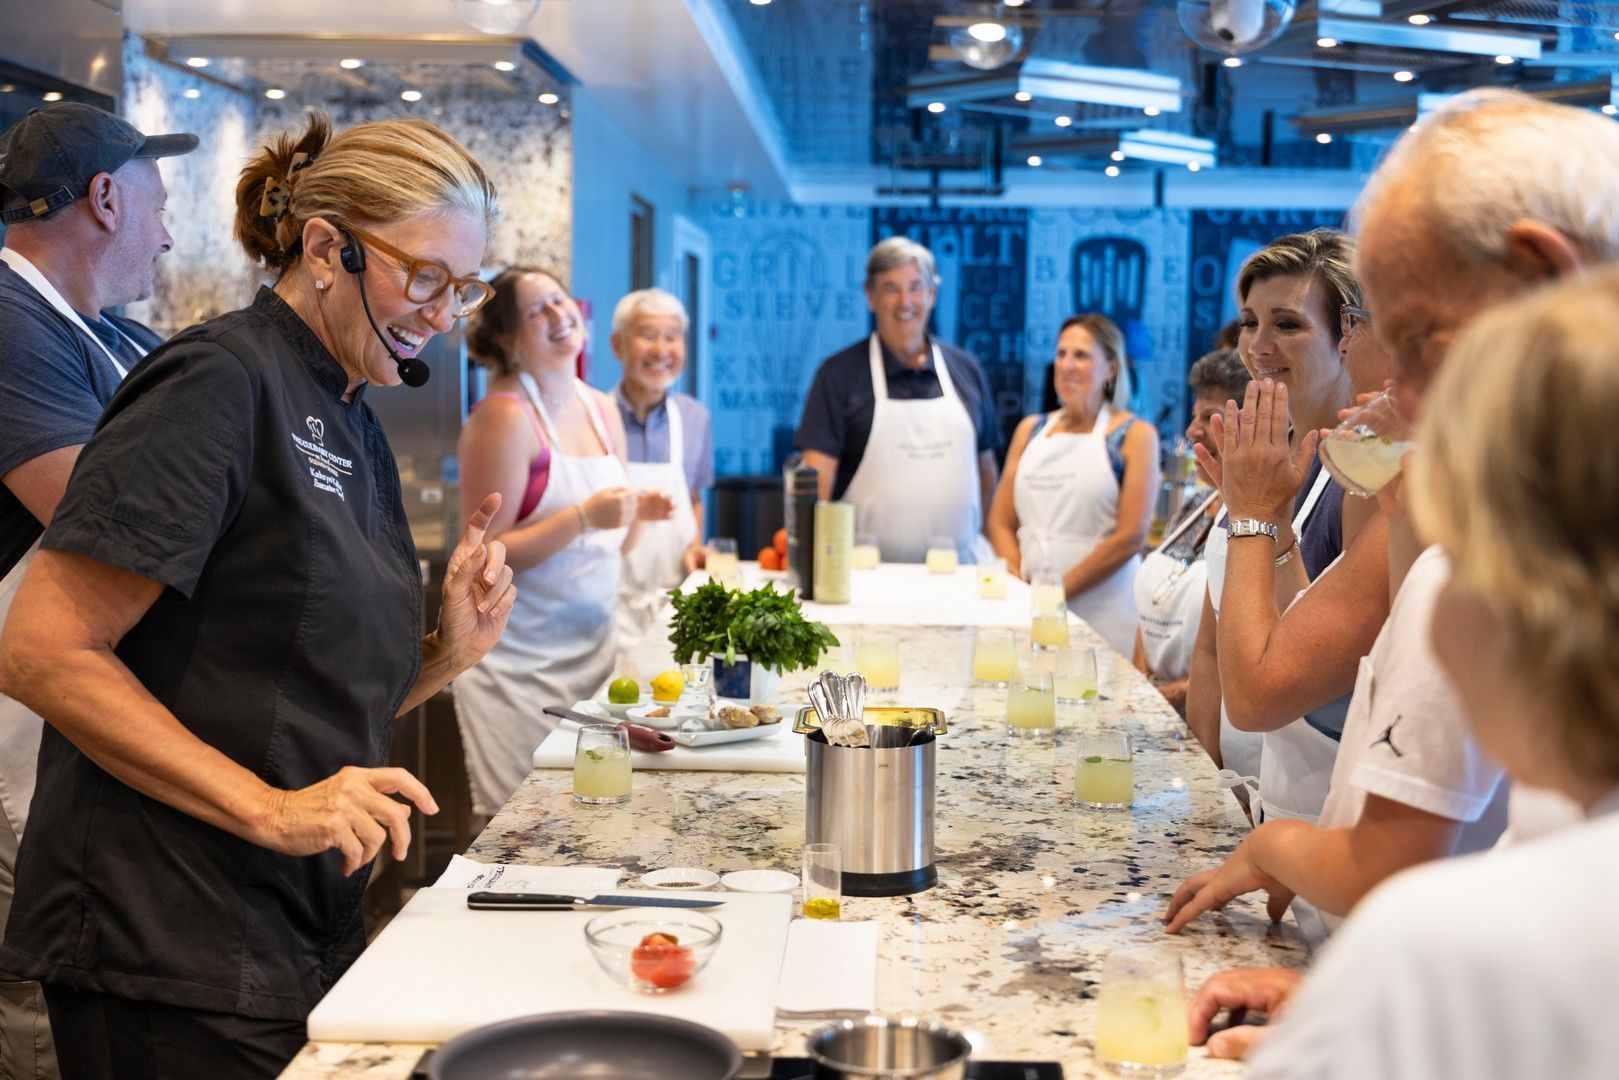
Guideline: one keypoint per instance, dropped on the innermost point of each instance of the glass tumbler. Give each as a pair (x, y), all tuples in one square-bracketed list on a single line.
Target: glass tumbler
[(1141, 1013), (823, 882), (601, 765)]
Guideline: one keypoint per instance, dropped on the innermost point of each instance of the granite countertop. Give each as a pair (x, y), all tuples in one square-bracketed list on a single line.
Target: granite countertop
[(1033, 892)]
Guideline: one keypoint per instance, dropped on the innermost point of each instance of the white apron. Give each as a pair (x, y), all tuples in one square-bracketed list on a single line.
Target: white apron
[(919, 475), (558, 647), (1295, 761), (656, 563), (20, 728), (1067, 502), (1169, 601)]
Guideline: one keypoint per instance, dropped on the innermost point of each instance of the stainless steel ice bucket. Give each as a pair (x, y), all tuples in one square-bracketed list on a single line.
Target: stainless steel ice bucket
[(877, 807)]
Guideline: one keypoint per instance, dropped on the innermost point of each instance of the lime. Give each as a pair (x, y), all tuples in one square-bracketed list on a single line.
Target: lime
[(623, 692)]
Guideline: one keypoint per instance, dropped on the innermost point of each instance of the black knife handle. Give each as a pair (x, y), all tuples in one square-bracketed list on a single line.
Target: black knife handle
[(522, 901)]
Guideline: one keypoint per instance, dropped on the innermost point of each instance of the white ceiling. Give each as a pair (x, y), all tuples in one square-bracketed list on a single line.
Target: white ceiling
[(649, 65)]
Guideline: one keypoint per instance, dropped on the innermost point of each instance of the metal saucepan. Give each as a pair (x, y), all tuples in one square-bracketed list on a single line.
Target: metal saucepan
[(879, 1048), (594, 1045)]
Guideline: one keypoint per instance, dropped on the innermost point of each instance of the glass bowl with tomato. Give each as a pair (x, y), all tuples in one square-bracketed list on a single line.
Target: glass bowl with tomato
[(652, 950)]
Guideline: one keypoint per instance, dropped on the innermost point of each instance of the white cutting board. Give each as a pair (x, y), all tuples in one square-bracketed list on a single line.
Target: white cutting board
[(781, 752), (439, 969)]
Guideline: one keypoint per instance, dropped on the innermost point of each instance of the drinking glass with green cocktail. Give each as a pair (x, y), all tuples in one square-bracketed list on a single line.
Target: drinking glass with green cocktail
[(1141, 1013), (1031, 705), (1105, 778), (1075, 674), (601, 765)]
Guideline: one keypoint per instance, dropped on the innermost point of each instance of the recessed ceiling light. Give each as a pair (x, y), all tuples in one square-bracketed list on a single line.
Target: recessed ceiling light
[(1064, 121), (1326, 43), (1013, 3), (1403, 76), (935, 107), (761, 3), (52, 95), (410, 95), (1111, 170), (1023, 95), (193, 93), (1504, 59), (1232, 61), (549, 98), (6, 88), (1192, 166), (1150, 110), (1117, 155), (1609, 109), (275, 93), (1419, 20), (1616, 35), (197, 61), (349, 63), (1035, 161), (505, 65), (1323, 138), (987, 32)]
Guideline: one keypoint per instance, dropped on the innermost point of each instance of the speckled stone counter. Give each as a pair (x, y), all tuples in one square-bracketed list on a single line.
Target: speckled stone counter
[(1034, 890)]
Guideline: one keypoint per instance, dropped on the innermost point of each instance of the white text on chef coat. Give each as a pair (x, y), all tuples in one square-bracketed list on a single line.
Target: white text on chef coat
[(325, 467)]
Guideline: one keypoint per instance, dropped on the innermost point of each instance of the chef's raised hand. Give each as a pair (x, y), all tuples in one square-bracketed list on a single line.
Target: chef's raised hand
[(351, 811), (1237, 991), (1259, 475), (478, 591)]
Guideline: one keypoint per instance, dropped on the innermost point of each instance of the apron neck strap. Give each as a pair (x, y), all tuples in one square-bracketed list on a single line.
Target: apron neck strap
[(532, 389), (42, 285), (879, 371)]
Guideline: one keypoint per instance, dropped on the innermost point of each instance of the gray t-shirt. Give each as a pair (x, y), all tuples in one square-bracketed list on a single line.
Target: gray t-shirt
[(54, 384)]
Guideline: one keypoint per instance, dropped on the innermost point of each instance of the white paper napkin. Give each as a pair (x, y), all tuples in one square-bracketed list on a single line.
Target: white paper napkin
[(829, 971), (464, 873)]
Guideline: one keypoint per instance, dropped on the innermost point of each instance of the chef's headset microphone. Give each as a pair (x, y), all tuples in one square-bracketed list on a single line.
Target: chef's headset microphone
[(412, 372)]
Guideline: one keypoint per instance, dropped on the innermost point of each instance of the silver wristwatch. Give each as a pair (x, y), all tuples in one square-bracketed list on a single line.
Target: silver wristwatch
[(1250, 527)]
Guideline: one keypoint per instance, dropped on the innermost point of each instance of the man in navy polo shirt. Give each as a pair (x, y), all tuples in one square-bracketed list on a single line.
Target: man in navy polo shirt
[(903, 425), (82, 204)]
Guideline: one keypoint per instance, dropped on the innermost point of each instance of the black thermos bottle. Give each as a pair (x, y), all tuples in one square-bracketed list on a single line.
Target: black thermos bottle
[(801, 487)]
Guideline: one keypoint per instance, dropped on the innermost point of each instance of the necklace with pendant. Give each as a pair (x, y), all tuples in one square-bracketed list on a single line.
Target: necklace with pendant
[(557, 402)]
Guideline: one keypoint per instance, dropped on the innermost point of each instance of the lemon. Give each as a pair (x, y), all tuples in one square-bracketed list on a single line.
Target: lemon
[(623, 692), (667, 686)]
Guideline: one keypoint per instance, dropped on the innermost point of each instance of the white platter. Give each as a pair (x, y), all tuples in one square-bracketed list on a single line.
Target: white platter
[(731, 735)]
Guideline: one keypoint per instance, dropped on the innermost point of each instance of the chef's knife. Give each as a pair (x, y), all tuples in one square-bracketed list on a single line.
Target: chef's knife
[(648, 740), (522, 901)]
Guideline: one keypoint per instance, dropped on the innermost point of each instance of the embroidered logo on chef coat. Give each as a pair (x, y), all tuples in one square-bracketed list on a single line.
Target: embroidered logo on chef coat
[(325, 468), (1388, 737)]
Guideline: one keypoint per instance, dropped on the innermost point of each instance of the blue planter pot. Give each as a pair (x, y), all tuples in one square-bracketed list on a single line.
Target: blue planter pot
[(744, 681)]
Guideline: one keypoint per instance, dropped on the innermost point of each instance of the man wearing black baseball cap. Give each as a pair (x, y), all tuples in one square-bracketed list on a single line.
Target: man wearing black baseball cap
[(81, 201)]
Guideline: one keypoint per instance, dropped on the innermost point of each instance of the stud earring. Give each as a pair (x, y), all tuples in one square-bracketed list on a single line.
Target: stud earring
[(320, 286)]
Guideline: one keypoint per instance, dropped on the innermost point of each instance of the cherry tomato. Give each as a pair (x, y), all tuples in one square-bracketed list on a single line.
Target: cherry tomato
[(661, 960)]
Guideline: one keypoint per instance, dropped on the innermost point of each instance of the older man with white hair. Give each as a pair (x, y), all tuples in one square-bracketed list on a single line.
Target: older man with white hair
[(903, 425), (670, 440), (1491, 195)]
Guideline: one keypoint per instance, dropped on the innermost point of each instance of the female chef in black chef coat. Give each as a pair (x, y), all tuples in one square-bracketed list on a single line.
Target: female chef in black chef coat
[(225, 620)]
